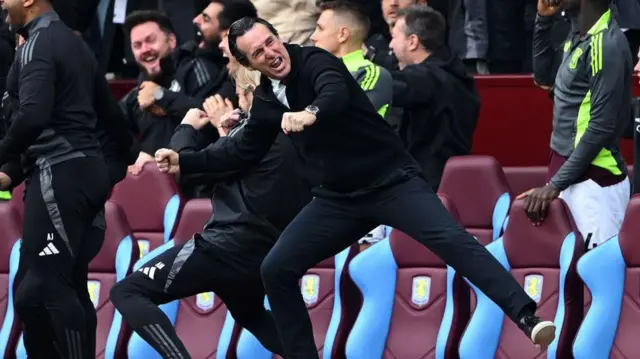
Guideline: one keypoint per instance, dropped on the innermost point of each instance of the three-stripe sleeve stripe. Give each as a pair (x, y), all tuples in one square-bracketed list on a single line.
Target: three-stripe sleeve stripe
[(596, 53), (163, 341), (371, 78), (27, 51)]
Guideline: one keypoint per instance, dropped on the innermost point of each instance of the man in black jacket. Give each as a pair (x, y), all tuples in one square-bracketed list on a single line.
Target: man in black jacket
[(252, 207), (53, 128), (173, 80), (439, 98), (367, 178)]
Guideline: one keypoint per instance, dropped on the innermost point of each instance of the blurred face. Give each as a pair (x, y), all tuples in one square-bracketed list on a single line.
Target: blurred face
[(637, 68), (265, 52), (149, 45), (401, 44), (328, 32), (16, 11), (570, 4), (208, 25), (390, 8), (245, 97), (233, 64)]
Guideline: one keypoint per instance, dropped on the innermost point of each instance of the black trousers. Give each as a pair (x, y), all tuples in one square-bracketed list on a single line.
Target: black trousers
[(63, 231), (187, 270), (327, 226)]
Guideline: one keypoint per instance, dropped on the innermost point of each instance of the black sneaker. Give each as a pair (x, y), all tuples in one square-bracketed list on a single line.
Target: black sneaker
[(541, 333)]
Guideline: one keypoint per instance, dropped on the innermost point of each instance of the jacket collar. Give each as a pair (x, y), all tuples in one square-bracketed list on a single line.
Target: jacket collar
[(38, 23)]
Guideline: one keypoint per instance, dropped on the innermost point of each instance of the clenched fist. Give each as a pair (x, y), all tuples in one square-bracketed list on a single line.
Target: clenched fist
[(168, 161), (549, 7), (297, 121)]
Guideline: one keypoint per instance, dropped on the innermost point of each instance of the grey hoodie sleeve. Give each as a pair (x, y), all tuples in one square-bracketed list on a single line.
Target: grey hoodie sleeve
[(545, 56)]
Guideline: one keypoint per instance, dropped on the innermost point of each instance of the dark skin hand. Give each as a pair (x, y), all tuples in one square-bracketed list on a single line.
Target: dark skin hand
[(537, 201)]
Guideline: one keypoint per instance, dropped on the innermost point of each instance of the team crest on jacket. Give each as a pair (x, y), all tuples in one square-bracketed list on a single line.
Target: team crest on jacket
[(574, 58), (175, 86), (309, 286), (421, 290), (204, 301)]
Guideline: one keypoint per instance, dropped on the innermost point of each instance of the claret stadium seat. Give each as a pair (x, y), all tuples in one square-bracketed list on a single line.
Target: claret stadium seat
[(479, 191), (333, 303), (17, 200), (414, 306), (611, 272), (10, 235), (152, 203), (543, 260)]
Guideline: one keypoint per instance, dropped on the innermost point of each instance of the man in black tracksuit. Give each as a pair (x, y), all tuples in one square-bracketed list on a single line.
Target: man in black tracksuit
[(367, 178), (187, 75), (439, 98), (53, 128), (253, 205)]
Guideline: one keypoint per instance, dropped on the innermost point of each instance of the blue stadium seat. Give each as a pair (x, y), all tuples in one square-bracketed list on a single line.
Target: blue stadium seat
[(152, 204), (611, 273), (10, 330), (543, 260), (330, 339), (479, 190)]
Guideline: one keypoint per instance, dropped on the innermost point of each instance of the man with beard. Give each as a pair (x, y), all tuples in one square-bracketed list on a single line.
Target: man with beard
[(173, 80), (591, 109)]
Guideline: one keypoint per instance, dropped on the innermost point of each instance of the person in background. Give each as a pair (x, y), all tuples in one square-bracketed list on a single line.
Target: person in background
[(591, 110), (439, 98), (173, 79), (294, 19), (341, 29)]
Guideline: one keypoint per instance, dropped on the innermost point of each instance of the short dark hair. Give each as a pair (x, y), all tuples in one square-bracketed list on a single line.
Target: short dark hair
[(144, 16), (426, 23), (353, 10), (234, 10), (240, 28)]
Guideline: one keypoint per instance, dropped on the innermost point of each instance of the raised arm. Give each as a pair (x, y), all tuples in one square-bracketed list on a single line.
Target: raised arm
[(546, 58), (244, 151), (326, 74)]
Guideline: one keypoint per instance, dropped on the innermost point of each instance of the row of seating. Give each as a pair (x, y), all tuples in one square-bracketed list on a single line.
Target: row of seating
[(394, 300)]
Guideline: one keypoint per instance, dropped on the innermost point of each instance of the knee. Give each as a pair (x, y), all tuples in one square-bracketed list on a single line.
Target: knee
[(121, 292), (274, 270)]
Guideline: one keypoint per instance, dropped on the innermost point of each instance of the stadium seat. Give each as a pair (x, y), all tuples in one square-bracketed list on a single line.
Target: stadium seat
[(611, 272), (112, 264), (17, 201), (479, 191), (407, 288), (542, 259), (333, 302), (522, 179), (152, 203), (198, 320), (10, 234)]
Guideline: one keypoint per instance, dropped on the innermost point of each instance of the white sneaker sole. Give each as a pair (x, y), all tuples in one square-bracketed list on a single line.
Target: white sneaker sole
[(543, 334)]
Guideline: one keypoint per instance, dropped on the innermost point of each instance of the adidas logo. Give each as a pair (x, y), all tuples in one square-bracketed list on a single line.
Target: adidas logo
[(151, 271), (49, 250)]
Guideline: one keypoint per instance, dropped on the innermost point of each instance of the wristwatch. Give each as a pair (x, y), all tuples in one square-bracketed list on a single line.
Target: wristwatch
[(312, 110), (158, 94)]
